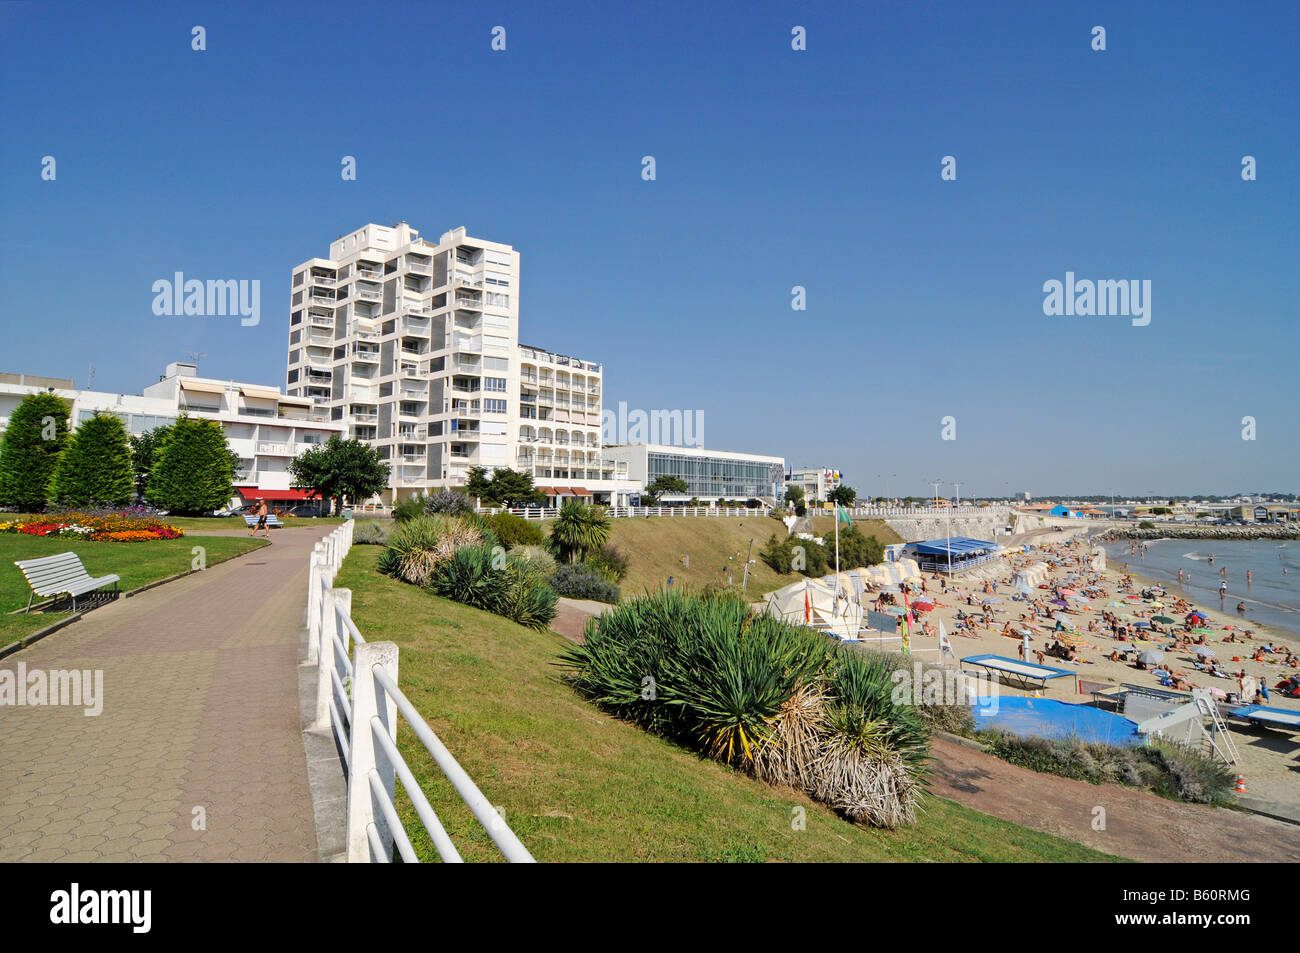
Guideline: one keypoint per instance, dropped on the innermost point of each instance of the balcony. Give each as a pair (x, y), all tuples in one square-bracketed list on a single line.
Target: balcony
[(370, 274), (414, 325), (466, 281), (370, 295), (369, 357), (277, 449), (468, 304), (366, 418), (419, 266), (321, 321), (327, 300)]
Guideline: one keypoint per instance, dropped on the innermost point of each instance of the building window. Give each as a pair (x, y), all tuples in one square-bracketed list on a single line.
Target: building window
[(495, 383), (494, 406), (297, 318), (297, 279)]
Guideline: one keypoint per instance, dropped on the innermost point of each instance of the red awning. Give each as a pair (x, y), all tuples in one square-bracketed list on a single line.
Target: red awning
[(579, 491), (555, 490), (253, 493)]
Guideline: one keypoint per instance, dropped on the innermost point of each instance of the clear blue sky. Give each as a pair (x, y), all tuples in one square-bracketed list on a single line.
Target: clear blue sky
[(775, 168)]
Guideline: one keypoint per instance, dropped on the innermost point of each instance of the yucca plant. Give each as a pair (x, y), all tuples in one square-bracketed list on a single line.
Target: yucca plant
[(579, 530), (417, 546), (469, 577), (528, 599)]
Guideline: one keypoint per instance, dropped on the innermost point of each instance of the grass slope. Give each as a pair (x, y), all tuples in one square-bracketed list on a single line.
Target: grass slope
[(578, 785), (136, 563)]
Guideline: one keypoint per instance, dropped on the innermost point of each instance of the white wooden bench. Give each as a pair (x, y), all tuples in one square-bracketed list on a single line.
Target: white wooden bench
[(53, 576), (271, 520)]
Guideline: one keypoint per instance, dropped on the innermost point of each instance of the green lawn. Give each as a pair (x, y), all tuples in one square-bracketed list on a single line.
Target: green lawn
[(578, 785), (136, 563)]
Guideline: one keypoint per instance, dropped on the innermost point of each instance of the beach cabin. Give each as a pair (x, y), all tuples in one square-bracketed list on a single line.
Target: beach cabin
[(1065, 511)]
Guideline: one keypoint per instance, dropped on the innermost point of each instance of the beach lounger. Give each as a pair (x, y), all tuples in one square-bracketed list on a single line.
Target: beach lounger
[(1025, 671), (1271, 717)]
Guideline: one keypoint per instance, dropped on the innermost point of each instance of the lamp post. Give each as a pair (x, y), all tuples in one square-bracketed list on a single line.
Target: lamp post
[(956, 502)]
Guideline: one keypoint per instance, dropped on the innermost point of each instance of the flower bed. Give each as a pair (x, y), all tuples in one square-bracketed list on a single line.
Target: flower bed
[(97, 527)]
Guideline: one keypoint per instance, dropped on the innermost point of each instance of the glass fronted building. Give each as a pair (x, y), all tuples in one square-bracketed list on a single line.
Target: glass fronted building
[(708, 474)]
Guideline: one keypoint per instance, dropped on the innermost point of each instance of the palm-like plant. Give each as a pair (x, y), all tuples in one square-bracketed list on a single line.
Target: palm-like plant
[(579, 531)]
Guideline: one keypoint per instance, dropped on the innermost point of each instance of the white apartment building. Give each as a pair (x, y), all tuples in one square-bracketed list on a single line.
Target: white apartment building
[(266, 428), (413, 346)]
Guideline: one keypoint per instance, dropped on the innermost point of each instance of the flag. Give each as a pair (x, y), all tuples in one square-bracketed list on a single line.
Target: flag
[(945, 646), (842, 514), (807, 606)]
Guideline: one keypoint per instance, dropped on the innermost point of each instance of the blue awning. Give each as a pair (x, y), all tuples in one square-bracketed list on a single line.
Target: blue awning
[(960, 546)]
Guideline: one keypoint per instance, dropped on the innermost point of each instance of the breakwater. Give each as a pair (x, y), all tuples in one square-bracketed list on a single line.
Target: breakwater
[(1173, 531)]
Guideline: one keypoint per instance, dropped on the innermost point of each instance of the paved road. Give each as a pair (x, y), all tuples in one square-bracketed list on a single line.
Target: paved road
[(198, 753)]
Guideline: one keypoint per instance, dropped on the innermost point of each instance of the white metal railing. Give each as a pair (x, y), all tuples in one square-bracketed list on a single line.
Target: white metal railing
[(358, 700)]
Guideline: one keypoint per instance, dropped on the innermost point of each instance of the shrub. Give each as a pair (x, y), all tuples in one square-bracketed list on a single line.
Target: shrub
[(370, 533), (513, 531), (785, 556), (449, 502), (610, 563), (409, 508), (1146, 524), (582, 581), (762, 695), (1161, 767), (857, 549), (529, 599), (417, 546), (536, 556), (468, 577)]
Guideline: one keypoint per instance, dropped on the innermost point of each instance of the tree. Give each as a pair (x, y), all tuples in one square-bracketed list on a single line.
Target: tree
[(193, 470), (477, 482), (340, 470), (664, 484), (579, 531), (95, 466), (143, 448), (514, 488), (857, 549), (29, 453), (843, 495), (794, 495)]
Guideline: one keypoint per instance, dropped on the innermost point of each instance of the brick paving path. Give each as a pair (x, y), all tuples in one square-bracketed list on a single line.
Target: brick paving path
[(200, 710)]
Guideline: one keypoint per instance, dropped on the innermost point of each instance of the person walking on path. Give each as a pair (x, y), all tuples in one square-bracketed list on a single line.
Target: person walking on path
[(262, 513)]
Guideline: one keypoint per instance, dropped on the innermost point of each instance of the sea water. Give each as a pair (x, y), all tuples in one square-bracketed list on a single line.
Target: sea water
[(1272, 597)]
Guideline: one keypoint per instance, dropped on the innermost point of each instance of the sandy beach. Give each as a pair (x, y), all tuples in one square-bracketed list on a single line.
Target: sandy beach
[(1269, 760)]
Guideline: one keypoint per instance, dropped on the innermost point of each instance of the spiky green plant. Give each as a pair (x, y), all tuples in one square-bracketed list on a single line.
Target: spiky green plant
[(469, 577), (579, 531), (417, 546), (528, 599)]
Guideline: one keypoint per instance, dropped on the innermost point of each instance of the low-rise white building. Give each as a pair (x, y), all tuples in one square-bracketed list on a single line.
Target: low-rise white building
[(266, 428), (710, 475), (816, 482)]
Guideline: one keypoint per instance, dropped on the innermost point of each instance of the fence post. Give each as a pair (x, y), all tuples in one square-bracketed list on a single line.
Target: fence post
[(314, 575), (326, 658), (369, 700)]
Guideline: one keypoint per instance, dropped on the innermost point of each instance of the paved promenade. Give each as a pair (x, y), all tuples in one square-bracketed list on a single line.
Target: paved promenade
[(198, 753)]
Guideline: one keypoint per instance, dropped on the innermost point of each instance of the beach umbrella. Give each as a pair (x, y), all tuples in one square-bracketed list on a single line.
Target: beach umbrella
[(991, 600), (1143, 625), (1151, 657), (1195, 615), (1163, 619), (1072, 638), (1204, 651)]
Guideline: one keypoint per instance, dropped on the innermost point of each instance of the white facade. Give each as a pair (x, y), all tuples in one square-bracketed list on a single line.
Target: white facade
[(266, 428), (413, 346), (816, 482)]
